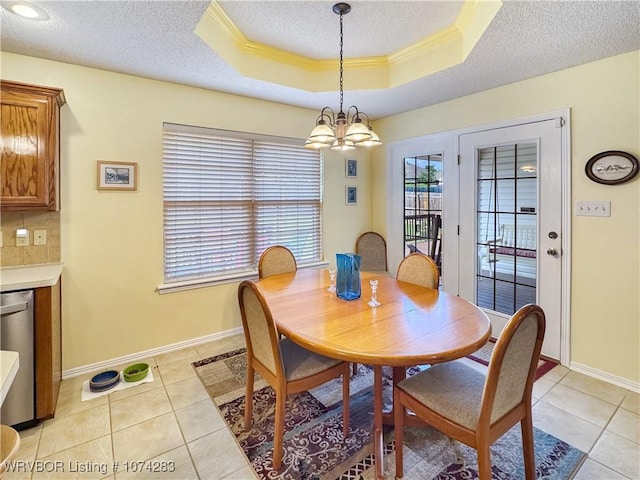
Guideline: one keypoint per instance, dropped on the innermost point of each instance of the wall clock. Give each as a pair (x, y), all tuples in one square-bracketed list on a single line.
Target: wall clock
[(612, 167)]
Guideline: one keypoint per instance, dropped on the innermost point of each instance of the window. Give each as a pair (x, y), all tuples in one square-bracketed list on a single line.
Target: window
[(230, 195)]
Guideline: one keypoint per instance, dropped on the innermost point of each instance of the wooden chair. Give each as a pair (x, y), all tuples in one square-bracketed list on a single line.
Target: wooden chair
[(276, 259), (9, 445), (372, 247), (287, 367), (420, 269), (474, 408)]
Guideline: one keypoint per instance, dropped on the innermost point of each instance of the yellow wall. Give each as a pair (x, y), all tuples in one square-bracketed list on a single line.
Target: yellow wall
[(604, 98), (112, 241)]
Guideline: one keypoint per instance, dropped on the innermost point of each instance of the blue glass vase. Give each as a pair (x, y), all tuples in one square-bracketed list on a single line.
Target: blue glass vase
[(348, 283)]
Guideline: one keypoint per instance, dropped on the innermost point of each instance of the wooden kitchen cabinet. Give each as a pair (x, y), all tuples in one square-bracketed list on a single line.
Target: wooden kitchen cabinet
[(48, 349), (30, 145)]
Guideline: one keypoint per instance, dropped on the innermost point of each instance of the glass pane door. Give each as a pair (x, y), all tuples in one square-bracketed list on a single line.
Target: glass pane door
[(506, 220), (423, 180)]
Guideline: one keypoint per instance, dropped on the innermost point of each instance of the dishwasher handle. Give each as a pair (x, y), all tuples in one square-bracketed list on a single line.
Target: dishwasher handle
[(13, 308)]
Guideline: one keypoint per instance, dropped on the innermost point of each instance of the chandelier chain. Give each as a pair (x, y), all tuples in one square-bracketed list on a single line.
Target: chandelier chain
[(341, 43), (342, 131)]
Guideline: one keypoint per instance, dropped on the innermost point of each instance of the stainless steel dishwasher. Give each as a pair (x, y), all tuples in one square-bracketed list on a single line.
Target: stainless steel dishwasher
[(16, 334)]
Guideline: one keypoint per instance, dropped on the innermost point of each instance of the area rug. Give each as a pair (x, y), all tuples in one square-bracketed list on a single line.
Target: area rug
[(316, 450), (483, 355)]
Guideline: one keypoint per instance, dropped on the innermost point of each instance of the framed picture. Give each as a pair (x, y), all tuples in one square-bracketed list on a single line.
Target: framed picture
[(351, 168), (351, 195), (117, 176)]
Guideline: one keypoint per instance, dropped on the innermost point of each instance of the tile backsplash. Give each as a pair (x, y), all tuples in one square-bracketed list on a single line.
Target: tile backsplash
[(13, 256)]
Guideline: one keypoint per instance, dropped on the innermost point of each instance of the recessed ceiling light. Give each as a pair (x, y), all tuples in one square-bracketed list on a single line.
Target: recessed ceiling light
[(26, 10)]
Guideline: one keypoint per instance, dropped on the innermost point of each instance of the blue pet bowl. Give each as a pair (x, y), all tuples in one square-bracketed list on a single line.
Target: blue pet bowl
[(104, 381)]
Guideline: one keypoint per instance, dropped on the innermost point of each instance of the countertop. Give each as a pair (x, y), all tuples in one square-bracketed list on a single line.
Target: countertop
[(29, 276), (9, 364)]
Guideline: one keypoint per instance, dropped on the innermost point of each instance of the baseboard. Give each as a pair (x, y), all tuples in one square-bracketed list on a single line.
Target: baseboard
[(74, 372), (605, 377)]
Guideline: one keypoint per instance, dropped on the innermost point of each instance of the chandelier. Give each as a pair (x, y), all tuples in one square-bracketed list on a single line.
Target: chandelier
[(344, 131)]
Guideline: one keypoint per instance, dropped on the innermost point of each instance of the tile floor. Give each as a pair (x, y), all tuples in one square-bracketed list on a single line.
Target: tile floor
[(173, 423)]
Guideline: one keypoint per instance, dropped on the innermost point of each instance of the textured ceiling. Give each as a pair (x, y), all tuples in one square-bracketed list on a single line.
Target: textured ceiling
[(156, 39)]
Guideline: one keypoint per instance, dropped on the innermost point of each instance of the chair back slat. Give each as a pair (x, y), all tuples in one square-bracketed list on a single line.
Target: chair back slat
[(513, 363), (275, 260), (420, 269), (259, 328), (372, 249)]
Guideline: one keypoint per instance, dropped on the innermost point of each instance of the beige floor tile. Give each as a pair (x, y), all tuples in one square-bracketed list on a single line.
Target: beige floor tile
[(70, 399), (557, 373), (626, 424), (174, 464), (199, 419), (594, 387), (177, 370), (91, 460), (228, 458), (222, 345), (186, 392), (138, 389), (139, 408), (186, 355), (71, 430), (541, 387), (631, 402), (147, 440), (618, 453), (569, 428), (580, 404), (592, 470)]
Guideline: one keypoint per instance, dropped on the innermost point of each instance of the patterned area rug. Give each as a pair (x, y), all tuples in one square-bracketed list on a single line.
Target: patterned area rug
[(483, 355), (315, 447)]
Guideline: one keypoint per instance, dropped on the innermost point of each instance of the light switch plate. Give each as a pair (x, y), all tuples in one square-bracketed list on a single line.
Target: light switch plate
[(593, 208)]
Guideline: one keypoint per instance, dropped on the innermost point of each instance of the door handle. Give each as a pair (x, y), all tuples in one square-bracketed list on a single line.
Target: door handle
[(552, 251), (13, 308)]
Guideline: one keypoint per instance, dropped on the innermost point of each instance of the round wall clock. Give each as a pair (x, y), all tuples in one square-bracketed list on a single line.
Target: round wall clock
[(612, 167)]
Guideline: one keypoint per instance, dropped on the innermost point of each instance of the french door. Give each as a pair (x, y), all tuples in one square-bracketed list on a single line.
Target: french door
[(511, 225)]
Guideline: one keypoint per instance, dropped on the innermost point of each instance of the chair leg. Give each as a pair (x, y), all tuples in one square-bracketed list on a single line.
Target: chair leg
[(484, 460), (354, 367), (278, 434), (248, 397), (527, 447), (398, 417), (345, 401)]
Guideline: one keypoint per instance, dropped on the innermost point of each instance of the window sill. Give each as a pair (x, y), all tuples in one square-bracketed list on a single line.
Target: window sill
[(221, 280)]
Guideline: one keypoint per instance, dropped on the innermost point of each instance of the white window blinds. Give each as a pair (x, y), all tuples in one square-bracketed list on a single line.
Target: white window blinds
[(229, 195)]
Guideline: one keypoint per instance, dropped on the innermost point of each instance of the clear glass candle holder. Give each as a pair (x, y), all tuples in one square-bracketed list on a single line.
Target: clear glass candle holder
[(374, 290), (332, 280)]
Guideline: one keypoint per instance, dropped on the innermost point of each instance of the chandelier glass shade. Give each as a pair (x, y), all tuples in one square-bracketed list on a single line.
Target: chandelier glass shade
[(344, 131)]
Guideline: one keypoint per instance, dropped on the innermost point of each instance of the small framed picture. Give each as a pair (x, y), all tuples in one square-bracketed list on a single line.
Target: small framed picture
[(351, 195), (351, 168), (117, 176)]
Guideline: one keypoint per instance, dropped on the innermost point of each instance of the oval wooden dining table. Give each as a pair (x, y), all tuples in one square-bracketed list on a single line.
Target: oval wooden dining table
[(413, 325)]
